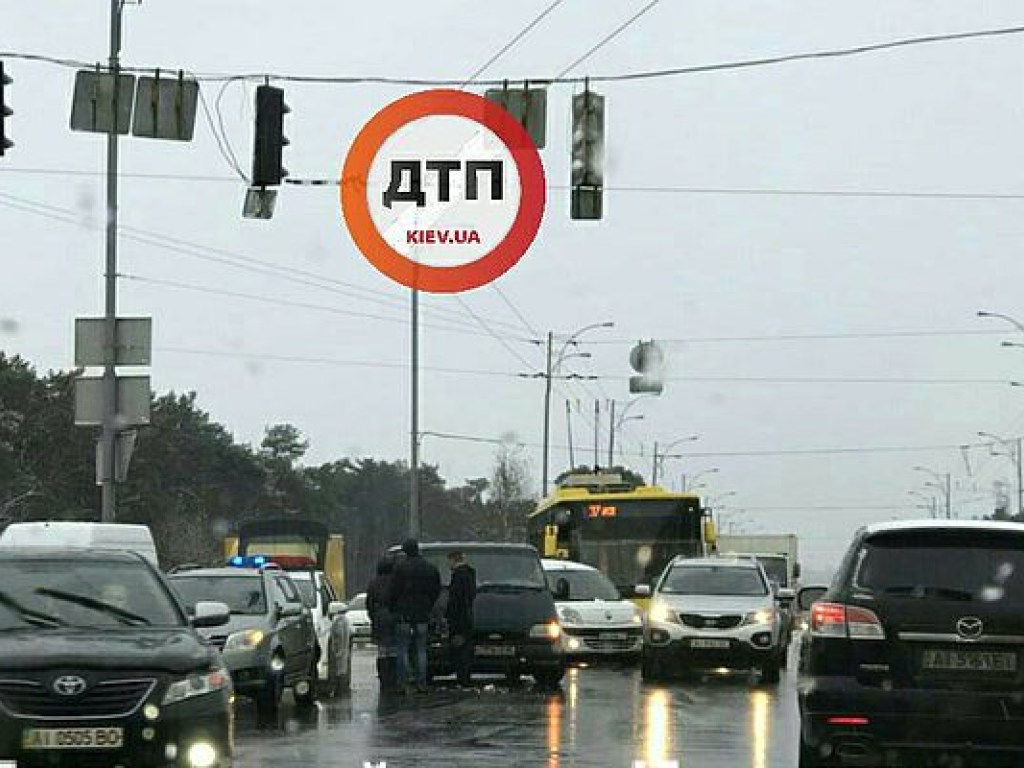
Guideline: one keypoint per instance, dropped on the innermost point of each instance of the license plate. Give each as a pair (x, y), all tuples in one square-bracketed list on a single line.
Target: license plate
[(709, 643), (495, 650), (72, 738), (613, 636), (969, 660)]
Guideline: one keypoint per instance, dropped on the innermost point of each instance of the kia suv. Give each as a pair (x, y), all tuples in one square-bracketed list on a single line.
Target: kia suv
[(100, 666), (713, 612), (270, 643), (915, 654)]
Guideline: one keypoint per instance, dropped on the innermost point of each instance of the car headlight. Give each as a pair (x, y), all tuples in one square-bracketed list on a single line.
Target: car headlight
[(662, 612), (764, 616), (200, 684), (638, 617), (570, 616), (247, 638), (550, 630)]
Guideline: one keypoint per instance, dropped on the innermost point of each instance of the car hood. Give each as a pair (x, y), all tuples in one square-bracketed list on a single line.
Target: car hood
[(512, 611), (172, 650), (717, 604), (236, 623), (601, 612)]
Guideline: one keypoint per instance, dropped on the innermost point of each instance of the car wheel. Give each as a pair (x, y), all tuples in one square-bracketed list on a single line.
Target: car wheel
[(549, 678), (308, 699), (770, 672), (268, 700), (808, 759), (650, 669)]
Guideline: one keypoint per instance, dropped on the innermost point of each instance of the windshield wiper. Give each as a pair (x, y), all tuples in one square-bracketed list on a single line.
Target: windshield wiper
[(923, 590), (123, 616), (30, 616)]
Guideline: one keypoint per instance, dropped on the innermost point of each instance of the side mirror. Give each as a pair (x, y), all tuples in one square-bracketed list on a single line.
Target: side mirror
[(562, 589), (210, 614), (642, 590), (336, 608), (807, 596), (796, 570), (288, 611), (785, 595)]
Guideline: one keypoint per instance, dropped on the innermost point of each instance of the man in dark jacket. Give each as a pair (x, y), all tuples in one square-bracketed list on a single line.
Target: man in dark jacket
[(459, 613), (378, 593), (415, 587)]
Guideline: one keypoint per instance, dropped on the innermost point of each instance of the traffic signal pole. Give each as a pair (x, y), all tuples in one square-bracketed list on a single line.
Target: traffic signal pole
[(108, 438)]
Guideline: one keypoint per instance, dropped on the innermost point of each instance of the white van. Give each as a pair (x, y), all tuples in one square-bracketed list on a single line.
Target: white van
[(55, 533)]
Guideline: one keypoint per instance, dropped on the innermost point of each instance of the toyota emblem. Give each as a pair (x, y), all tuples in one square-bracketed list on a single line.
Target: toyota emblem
[(69, 685), (969, 627)]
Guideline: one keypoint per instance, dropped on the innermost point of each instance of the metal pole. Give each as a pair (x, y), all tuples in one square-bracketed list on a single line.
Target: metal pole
[(654, 467), (1020, 483), (597, 433), (568, 426), (611, 433), (949, 503), (547, 415), (414, 447), (108, 437)]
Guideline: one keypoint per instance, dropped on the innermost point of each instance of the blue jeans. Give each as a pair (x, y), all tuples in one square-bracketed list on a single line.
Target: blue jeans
[(412, 635)]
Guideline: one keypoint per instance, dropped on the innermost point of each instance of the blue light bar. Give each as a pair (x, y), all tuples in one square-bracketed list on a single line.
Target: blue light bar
[(249, 561)]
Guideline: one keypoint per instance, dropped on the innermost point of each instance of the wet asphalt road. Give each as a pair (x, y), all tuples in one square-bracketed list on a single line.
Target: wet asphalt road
[(602, 716)]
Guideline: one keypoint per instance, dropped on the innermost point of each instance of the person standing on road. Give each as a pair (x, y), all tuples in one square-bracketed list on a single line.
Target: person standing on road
[(459, 613), (378, 593), (415, 587)]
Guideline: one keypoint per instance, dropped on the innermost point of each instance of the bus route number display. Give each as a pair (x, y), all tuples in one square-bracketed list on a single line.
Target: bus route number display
[(602, 510)]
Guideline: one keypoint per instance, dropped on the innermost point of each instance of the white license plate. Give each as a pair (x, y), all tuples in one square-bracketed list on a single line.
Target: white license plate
[(613, 636), (495, 650), (709, 643), (969, 661), (72, 738)]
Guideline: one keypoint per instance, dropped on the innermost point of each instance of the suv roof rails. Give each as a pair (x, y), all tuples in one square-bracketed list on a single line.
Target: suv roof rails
[(185, 567)]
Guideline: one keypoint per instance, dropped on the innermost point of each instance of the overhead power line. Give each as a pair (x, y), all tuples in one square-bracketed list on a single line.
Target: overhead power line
[(607, 39), (511, 43), (651, 74)]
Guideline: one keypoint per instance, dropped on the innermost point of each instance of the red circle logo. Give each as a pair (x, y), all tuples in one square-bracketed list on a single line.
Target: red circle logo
[(443, 191)]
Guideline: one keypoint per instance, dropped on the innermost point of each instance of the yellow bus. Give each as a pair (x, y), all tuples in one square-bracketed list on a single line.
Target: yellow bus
[(627, 531)]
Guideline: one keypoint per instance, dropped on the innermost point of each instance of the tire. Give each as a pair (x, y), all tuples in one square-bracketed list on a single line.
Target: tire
[(309, 698), (268, 701), (807, 757), (549, 678), (770, 673), (650, 669)]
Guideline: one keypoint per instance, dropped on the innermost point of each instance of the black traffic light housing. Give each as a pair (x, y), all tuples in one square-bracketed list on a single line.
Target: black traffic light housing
[(587, 190), (270, 141), (5, 112)]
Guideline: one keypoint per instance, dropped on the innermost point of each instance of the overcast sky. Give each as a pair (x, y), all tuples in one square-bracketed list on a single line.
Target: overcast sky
[(682, 267)]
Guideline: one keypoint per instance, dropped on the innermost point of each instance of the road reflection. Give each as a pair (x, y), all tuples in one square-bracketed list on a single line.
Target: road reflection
[(760, 726), (657, 740)]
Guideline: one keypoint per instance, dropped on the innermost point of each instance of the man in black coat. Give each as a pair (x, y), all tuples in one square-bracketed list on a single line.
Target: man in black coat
[(378, 593), (415, 587), (459, 613)]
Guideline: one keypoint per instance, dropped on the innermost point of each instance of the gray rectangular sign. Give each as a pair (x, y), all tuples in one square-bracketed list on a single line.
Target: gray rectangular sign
[(134, 341), (165, 108), (133, 398), (93, 106), (528, 107)]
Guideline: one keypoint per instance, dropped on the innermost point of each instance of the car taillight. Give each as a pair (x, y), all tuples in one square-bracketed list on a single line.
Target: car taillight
[(851, 621)]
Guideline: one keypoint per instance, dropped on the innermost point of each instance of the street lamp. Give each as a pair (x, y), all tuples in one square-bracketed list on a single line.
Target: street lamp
[(691, 482), (1015, 457), (1012, 321), (615, 424), (923, 497), (659, 459), (946, 488), (553, 361)]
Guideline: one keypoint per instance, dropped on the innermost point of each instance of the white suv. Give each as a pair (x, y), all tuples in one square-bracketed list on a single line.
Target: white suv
[(713, 612)]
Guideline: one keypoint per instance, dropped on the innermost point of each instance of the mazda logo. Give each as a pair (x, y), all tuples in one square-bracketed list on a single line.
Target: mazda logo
[(969, 627), (69, 685)]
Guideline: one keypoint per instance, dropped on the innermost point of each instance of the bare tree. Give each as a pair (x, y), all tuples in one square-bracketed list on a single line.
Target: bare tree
[(510, 493)]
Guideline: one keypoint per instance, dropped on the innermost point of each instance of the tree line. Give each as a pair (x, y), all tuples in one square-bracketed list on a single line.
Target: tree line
[(192, 483)]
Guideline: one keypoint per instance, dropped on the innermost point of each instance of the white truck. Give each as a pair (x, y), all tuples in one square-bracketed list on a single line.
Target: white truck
[(777, 553)]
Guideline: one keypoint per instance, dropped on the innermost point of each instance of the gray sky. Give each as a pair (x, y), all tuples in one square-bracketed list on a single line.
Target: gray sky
[(666, 265)]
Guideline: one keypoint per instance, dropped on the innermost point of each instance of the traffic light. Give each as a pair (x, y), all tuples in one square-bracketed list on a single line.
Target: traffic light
[(5, 112), (270, 140), (587, 155)]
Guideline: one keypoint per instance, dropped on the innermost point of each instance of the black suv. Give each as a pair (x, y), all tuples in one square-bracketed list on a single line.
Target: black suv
[(100, 666), (915, 654), (270, 642), (516, 629)]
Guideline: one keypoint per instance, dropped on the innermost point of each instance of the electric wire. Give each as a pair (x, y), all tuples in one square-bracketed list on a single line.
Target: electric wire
[(511, 43), (607, 39)]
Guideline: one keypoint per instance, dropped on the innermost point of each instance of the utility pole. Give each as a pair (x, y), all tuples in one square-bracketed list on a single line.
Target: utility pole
[(568, 429), (949, 502), (1020, 482), (547, 414), (611, 433), (414, 447), (108, 438), (654, 467), (597, 432)]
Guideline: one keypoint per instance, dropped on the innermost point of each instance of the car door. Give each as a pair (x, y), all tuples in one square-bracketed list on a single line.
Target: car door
[(339, 638), (296, 631)]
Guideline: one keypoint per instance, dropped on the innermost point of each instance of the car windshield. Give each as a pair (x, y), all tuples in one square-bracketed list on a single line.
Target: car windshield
[(69, 593), (307, 590), (584, 585), (244, 594), (775, 568), (496, 567), (975, 567), (713, 580)]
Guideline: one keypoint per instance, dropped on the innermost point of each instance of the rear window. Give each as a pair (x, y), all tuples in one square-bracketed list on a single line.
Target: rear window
[(713, 580), (585, 585), (499, 567), (961, 565), (243, 594)]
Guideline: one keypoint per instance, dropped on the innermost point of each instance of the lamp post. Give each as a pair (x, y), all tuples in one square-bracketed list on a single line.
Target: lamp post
[(690, 483), (946, 487), (929, 499), (554, 360), (615, 424), (659, 458), (1015, 457), (1012, 321)]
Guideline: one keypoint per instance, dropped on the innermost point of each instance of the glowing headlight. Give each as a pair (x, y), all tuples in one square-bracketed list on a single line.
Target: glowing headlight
[(202, 755), (550, 630), (662, 612), (638, 618), (197, 685), (570, 616), (247, 638), (760, 617)]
